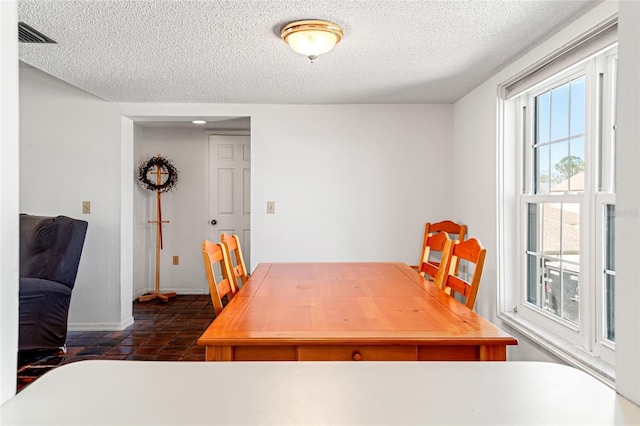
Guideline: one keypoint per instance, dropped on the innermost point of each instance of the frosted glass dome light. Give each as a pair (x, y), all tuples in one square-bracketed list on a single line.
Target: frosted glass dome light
[(311, 38)]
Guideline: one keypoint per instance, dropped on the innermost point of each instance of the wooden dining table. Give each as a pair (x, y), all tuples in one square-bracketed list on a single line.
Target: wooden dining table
[(369, 311)]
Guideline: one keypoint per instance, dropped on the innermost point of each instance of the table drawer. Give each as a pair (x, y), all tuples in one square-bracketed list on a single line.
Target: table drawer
[(264, 353), (357, 353)]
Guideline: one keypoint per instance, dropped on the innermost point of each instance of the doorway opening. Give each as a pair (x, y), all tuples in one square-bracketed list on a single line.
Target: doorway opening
[(188, 208)]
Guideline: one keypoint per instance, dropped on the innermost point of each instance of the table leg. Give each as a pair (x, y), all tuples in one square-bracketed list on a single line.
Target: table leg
[(493, 353), (218, 353)]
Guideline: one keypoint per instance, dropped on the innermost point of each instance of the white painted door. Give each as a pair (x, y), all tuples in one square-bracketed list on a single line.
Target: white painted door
[(230, 189)]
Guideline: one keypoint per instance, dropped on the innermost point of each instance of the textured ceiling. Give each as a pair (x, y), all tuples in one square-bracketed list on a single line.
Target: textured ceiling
[(230, 51)]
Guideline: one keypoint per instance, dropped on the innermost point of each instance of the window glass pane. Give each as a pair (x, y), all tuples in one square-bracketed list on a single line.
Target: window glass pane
[(561, 292), (571, 293), (577, 106), (533, 288), (543, 116), (532, 228), (543, 171), (610, 216), (570, 232), (574, 165), (614, 120), (553, 284), (610, 330), (609, 290), (560, 112), (561, 231), (560, 166), (533, 275)]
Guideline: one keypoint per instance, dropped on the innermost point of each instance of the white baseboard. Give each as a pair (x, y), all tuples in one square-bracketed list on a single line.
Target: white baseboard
[(100, 326), (138, 293)]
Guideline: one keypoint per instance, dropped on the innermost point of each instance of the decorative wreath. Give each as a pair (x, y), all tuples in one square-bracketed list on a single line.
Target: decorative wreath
[(169, 174)]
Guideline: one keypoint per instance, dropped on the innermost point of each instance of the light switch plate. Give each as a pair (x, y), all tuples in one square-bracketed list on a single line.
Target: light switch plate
[(271, 207), (86, 207)]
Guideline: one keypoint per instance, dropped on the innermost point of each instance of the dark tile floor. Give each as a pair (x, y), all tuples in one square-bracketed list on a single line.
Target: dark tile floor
[(161, 332)]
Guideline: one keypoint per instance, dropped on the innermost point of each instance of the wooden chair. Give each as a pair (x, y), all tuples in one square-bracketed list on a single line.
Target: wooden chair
[(447, 226), (436, 271), (213, 254), (231, 244), (472, 251)]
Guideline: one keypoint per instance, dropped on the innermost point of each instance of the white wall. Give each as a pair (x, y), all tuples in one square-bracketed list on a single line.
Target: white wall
[(9, 199), (126, 222), (142, 243), (350, 182), (70, 151)]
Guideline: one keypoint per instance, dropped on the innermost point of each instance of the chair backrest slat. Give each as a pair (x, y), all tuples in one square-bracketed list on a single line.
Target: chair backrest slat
[(439, 242), (473, 252), (447, 226), (212, 254), (231, 244)]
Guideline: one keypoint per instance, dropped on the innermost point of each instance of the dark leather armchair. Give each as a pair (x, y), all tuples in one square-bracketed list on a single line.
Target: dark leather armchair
[(50, 250)]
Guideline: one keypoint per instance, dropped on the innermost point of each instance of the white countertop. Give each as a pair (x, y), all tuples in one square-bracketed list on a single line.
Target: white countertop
[(306, 393)]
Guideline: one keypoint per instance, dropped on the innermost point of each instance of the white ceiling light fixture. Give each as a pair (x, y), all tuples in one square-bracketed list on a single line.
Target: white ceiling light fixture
[(311, 37), (198, 122)]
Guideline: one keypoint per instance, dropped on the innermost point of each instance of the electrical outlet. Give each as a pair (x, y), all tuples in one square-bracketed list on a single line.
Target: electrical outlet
[(271, 207), (86, 207), (176, 260)]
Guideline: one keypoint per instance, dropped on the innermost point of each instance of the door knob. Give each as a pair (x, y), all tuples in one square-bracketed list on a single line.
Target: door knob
[(214, 222)]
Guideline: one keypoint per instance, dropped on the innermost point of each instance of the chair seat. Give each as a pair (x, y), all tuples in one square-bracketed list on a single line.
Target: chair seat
[(42, 311), (40, 285)]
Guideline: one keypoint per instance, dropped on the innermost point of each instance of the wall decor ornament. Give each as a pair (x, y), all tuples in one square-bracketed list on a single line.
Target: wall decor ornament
[(169, 177), (160, 175)]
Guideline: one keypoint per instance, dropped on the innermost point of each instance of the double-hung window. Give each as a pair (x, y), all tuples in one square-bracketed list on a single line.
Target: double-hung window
[(564, 203)]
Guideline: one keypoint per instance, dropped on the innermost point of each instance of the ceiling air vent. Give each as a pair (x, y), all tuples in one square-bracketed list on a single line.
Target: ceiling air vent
[(26, 34)]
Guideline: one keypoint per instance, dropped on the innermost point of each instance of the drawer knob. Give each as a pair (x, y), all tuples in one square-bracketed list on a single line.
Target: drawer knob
[(357, 356)]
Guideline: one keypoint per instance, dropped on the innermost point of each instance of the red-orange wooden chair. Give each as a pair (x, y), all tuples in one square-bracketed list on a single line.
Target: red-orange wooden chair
[(214, 254), (436, 271), (231, 244), (456, 231), (472, 251)]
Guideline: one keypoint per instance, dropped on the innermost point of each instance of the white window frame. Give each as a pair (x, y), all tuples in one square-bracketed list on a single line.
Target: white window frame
[(572, 333), (583, 346), (605, 194)]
